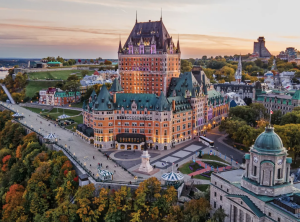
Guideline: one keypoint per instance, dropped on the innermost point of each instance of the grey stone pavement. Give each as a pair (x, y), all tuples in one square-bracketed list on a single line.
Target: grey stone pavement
[(81, 149)]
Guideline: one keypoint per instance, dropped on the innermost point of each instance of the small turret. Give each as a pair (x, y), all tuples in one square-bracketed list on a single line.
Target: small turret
[(130, 46), (142, 47), (153, 45), (120, 48), (178, 47)]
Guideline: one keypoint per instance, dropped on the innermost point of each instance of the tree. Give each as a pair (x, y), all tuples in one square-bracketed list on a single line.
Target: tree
[(84, 73), (185, 66), (276, 117), (72, 78), (72, 86), (83, 199), (219, 215), (13, 208), (107, 62), (92, 60), (196, 210)]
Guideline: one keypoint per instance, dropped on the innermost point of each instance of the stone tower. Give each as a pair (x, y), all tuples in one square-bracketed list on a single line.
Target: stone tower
[(267, 166), (238, 72), (260, 48)]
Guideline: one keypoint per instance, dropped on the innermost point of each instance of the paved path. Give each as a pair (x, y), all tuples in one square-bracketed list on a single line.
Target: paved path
[(208, 168), (81, 149), (224, 148), (8, 94)]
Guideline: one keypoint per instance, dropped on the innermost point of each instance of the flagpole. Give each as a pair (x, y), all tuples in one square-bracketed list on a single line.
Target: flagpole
[(270, 113)]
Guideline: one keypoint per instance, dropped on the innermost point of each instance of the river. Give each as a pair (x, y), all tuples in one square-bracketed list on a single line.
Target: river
[(3, 74)]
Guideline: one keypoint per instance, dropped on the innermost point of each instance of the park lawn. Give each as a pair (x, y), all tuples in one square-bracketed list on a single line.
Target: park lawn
[(185, 168), (34, 86), (214, 164), (201, 177), (213, 157), (202, 187), (78, 105), (37, 110), (55, 75)]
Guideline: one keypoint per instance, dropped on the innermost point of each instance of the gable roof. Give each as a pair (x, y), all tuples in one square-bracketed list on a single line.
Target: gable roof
[(104, 100), (249, 203)]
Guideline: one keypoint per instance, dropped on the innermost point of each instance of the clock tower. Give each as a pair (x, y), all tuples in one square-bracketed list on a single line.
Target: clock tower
[(267, 166)]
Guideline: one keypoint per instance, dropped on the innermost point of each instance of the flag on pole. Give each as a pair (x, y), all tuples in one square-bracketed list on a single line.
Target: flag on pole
[(271, 112)]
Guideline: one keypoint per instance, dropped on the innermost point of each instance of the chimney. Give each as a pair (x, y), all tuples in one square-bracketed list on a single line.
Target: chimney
[(115, 98), (173, 105)]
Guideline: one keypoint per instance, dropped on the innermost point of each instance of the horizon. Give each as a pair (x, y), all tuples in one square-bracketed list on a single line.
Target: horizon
[(89, 29)]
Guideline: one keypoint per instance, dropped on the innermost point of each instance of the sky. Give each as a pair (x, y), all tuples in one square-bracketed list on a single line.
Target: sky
[(92, 28)]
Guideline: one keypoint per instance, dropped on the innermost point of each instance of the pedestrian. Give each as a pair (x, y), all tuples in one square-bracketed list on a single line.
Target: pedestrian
[(101, 164), (90, 165), (115, 166), (129, 182), (93, 157), (106, 166), (114, 171), (98, 164)]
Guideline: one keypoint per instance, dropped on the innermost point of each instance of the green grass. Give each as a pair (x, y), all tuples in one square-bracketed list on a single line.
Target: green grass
[(34, 86), (78, 105), (202, 187), (37, 110), (185, 169), (201, 177), (55, 75), (214, 164), (212, 157)]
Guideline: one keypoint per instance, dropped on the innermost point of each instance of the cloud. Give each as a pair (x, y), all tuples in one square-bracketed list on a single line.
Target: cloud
[(15, 37), (290, 37)]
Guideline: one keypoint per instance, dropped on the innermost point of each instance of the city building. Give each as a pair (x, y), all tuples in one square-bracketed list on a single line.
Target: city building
[(238, 87), (57, 97), (235, 100), (132, 121), (279, 100), (260, 48), (149, 59), (264, 191), (154, 106), (54, 64)]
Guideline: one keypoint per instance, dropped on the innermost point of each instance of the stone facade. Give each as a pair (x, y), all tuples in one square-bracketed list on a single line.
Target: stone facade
[(260, 48), (258, 193)]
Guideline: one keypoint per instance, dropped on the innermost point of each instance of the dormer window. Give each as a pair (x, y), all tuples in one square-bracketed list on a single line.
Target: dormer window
[(102, 100)]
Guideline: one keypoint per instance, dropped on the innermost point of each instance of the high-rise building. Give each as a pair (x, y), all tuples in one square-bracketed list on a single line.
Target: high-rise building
[(260, 48), (149, 59)]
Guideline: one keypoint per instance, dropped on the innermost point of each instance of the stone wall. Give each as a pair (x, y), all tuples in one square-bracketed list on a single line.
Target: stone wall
[(36, 105)]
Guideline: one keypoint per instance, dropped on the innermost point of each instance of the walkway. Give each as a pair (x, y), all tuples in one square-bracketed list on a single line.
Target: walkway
[(85, 153), (8, 94), (208, 168)]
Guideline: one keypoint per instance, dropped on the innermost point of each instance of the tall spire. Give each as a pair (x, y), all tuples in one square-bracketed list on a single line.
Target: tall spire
[(120, 50), (238, 73), (160, 14), (178, 45), (136, 16)]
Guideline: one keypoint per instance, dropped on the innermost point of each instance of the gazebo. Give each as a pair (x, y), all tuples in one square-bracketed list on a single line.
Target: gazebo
[(105, 175), (50, 137), (64, 116), (173, 179), (18, 115)]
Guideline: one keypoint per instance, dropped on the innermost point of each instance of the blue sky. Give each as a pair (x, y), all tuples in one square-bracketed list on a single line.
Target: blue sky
[(91, 28)]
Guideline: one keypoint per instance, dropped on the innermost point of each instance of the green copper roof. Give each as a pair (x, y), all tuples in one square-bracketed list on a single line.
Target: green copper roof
[(268, 141), (65, 94), (289, 160), (104, 100), (181, 104), (183, 85), (250, 204), (116, 87), (296, 96), (213, 93), (247, 156), (162, 103)]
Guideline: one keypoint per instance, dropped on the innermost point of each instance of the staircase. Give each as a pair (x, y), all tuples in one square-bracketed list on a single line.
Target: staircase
[(8, 94)]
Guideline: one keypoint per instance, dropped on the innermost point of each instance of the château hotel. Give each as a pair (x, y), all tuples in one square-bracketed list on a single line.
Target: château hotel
[(152, 104)]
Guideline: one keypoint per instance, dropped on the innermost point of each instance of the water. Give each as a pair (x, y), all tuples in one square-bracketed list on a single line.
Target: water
[(3, 74)]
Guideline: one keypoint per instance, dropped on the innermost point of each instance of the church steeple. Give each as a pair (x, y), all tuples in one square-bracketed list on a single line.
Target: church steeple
[(238, 72)]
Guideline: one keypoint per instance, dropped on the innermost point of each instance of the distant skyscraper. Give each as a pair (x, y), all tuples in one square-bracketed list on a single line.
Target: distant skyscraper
[(28, 64), (260, 48)]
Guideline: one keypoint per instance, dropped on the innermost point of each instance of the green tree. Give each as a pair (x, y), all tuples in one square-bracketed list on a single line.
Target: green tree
[(276, 117), (186, 66), (196, 210), (84, 73), (219, 215)]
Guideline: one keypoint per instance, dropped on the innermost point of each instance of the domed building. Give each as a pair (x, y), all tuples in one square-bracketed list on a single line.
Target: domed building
[(264, 191)]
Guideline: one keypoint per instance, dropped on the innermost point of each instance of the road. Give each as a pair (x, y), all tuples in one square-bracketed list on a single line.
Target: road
[(217, 137)]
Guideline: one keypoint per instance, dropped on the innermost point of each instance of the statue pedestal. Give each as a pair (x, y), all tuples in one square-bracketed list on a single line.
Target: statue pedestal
[(145, 165)]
